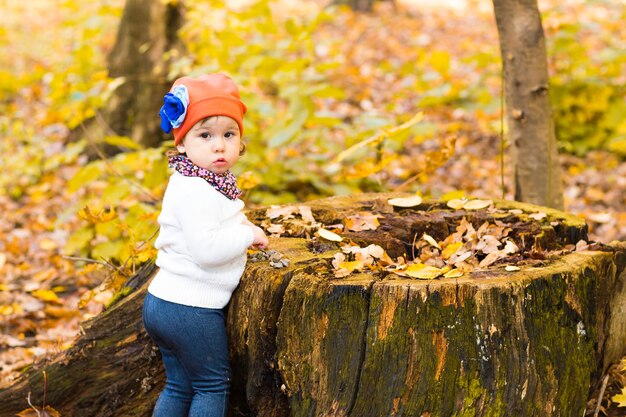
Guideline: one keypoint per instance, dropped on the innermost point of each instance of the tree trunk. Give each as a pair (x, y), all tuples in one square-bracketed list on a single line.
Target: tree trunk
[(303, 343), (148, 29), (537, 177), (360, 5)]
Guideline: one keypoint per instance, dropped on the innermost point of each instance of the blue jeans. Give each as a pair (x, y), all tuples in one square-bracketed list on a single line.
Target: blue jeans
[(194, 348)]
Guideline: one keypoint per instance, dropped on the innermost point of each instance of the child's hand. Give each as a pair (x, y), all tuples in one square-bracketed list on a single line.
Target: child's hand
[(260, 240)]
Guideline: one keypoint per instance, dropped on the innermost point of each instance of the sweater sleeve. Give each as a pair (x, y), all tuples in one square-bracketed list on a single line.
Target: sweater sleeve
[(210, 243)]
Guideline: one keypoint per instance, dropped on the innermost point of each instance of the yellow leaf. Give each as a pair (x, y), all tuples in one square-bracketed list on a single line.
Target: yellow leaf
[(511, 268), (477, 204), (3, 259), (426, 272), (412, 201), (38, 412), (451, 250), (328, 235), (248, 180), (48, 244), (453, 273), (620, 399), (431, 240), (45, 295), (122, 142), (100, 216)]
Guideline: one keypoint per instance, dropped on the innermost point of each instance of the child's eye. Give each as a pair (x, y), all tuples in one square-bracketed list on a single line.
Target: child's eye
[(205, 135), (229, 134)]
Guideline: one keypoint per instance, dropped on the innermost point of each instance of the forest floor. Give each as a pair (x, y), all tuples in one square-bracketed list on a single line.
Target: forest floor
[(40, 289)]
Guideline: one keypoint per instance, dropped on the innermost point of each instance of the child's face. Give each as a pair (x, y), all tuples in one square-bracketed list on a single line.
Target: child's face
[(213, 143)]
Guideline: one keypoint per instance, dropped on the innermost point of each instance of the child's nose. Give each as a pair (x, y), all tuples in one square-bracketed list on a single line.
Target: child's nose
[(218, 145)]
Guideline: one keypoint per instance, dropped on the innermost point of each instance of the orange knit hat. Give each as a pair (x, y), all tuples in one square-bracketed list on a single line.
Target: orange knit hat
[(193, 99)]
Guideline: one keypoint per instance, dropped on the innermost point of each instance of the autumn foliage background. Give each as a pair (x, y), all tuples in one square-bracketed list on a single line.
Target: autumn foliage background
[(317, 80)]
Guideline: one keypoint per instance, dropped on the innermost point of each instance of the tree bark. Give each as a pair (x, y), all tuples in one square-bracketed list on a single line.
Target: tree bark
[(360, 5), (536, 169), (148, 29), (303, 343)]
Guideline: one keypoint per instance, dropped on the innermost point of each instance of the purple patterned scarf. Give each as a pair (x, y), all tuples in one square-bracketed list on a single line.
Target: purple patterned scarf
[(225, 183)]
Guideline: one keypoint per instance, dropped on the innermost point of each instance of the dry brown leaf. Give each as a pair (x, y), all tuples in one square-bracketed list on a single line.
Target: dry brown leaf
[(491, 258), (306, 214), (581, 245), (488, 244), (286, 212), (362, 221), (510, 247), (276, 229)]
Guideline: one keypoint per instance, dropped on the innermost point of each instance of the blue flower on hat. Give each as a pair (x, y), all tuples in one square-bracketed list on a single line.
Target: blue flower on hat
[(174, 108)]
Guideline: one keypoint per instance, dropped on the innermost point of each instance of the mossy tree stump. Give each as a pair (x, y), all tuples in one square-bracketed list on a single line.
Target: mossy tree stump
[(304, 343)]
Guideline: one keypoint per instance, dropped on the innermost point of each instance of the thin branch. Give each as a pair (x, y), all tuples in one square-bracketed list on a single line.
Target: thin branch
[(103, 262), (599, 403)]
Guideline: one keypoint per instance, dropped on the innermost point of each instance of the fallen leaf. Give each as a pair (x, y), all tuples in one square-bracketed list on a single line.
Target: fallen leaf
[(456, 203), (48, 244), (412, 201), (328, 235), (276, 229), (286, 212), (620, 399), (491, 258), (477, 204), (306, 214), (45, 295), (516, 211), (600, 217), (453, 273), (37, 412), (581, 245), (488, 244), (510, 247), (431, 240), (3, 259), (426, 272), (451, 249), (511, 268), (362, 221), (538, 216), (375, 251)]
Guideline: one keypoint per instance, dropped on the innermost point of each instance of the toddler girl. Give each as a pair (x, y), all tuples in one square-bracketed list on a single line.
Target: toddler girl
[(201, 246)]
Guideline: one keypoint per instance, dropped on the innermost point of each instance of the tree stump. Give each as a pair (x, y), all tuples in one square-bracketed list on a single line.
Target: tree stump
[(303, 343)]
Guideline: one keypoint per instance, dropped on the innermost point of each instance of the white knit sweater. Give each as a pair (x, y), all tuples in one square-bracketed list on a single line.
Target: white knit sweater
[(202, 244)]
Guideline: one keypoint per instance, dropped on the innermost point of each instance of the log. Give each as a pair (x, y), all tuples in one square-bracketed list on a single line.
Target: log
[(303, 343)]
